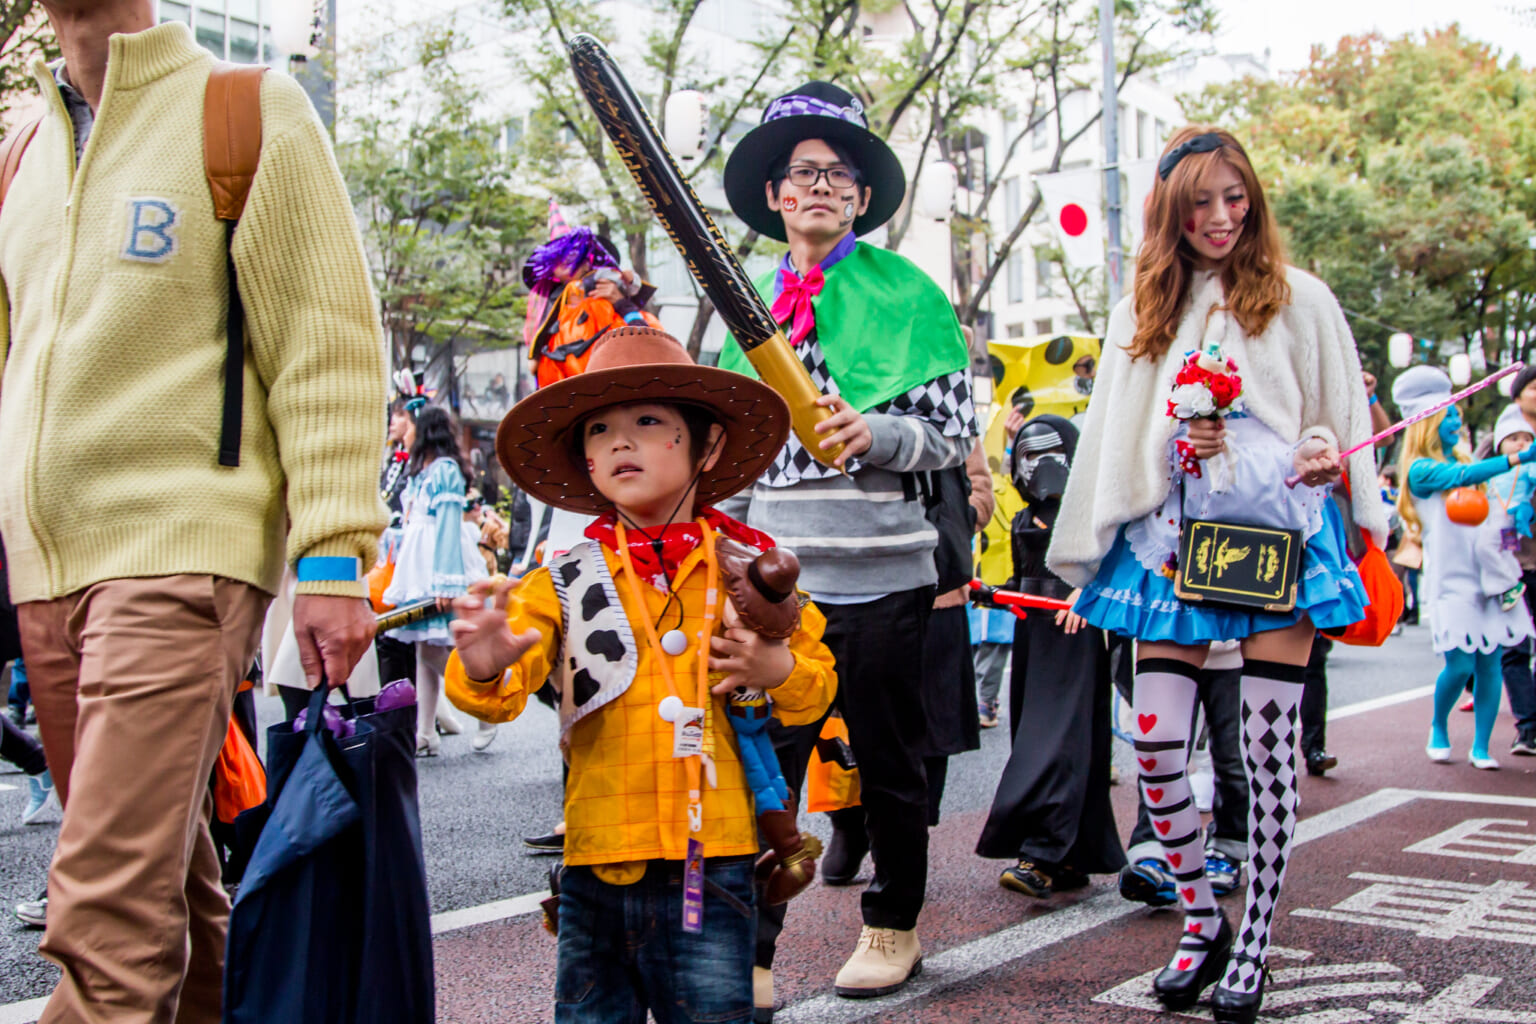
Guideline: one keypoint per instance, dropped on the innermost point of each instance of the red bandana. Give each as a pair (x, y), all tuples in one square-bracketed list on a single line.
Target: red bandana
[(795, 301), (677, 540)]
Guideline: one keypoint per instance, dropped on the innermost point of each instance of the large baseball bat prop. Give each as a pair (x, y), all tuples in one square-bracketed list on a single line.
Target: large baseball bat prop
[(698, 239)]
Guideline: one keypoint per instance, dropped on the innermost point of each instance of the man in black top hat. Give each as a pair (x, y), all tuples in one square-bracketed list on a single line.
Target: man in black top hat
[(880, 340)]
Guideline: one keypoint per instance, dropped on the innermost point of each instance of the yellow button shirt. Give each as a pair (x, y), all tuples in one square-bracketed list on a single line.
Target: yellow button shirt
[(626, 797)]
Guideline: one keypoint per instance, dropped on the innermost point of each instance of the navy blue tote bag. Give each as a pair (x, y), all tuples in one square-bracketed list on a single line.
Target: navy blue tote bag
[(331, 924)]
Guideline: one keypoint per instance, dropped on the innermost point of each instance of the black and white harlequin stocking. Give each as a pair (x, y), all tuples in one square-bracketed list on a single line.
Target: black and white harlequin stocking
[(1165, 701), (1271, 698)]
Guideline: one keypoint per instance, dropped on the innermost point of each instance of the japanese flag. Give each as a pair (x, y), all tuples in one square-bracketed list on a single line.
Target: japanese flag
[(1074, 200)]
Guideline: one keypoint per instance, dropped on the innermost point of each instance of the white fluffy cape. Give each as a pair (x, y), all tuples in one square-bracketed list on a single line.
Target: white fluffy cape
[(1301, 378)]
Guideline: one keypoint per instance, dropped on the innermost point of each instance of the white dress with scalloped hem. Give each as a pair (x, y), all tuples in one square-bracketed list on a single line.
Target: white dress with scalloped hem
[(1461, 616)]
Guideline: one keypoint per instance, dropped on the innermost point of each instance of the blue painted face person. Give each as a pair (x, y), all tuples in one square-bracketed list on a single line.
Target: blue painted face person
[(1450, 430)]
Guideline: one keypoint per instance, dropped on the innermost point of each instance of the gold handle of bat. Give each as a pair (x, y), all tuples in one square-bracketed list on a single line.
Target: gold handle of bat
[(776, 363)]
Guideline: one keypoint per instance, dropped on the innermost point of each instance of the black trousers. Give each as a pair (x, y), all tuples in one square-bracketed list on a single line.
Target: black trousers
[(1314, 698), (18, 747), (1518, 680), (1220, 693), (879, 650)]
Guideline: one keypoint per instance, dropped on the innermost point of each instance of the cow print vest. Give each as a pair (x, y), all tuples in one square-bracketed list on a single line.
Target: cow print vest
[(598, 657)]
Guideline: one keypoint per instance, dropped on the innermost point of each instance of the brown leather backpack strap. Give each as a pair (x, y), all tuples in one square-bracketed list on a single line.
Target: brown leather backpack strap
[(11, 149), (231, 153), (232, 135)]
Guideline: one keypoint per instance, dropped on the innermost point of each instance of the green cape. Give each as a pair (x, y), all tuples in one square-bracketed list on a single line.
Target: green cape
[(883, 324)]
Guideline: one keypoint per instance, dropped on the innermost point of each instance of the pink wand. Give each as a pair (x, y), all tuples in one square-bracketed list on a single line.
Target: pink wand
[(1292, 481)]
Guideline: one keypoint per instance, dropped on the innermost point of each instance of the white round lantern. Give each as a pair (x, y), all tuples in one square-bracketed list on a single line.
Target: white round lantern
[(1400, 349), (936, 191), (687, 124), (293, 27), (1460, 366)]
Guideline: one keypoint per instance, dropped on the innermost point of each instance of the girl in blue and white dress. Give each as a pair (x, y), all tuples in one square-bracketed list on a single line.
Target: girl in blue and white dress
[(1470, 586), (437, 556), (1211, 273)]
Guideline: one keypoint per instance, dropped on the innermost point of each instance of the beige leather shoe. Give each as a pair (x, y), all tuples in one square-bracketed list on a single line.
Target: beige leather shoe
[(762, 995), (882, 962)]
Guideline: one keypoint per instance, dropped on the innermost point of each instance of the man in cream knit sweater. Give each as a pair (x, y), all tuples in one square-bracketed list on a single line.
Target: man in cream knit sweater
[(140, 566)]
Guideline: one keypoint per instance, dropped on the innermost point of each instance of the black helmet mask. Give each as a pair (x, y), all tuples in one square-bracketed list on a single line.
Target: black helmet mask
[(1042, 458)]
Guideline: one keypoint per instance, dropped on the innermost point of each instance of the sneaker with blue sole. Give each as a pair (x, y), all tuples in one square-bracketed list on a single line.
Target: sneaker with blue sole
[(40, 793), (1148, 881), (1223, 873)]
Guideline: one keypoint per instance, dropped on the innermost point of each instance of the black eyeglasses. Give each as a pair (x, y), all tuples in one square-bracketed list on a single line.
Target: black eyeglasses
[(806, 176)]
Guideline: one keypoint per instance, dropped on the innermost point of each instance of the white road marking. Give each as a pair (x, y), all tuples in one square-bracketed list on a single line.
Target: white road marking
[(1503, 910), (24, 1012), (452, 920), (1481, 839), (1375, 703)]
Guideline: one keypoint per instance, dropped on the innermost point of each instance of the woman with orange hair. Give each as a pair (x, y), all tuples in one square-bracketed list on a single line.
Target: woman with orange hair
[(1211, 280)]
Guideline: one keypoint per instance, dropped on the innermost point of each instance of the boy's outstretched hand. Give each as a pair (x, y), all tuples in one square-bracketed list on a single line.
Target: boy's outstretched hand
[(485, 642), (750, 659)]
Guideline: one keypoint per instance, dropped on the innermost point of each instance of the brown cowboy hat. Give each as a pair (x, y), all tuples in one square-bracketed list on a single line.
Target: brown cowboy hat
[(638, 364)]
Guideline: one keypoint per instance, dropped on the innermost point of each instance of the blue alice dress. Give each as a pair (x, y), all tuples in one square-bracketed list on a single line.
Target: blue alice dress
[(1132, 594), (436, 553)]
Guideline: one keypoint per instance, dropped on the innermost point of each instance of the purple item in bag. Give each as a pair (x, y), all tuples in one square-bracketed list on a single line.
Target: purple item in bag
[(398, 694), (340, 727)]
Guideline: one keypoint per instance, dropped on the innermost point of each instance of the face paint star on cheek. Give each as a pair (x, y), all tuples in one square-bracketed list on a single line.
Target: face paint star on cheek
[(847, 209), (591, 465), (790, 204)]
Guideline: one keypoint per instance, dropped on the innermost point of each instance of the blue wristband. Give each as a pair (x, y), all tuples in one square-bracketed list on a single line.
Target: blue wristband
[(329, 569), (1374, 400)]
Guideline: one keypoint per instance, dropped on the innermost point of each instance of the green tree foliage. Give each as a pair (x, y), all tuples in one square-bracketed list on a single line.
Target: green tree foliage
[(445, 228), (24, 36), (1401, 171)]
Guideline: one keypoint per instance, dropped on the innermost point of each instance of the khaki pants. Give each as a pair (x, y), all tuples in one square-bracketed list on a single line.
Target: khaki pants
[(133, 681)]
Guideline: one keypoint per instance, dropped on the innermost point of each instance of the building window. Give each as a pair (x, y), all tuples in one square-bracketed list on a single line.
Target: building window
[(210, 31), (1044, 268), (1043, 326), (175, 12), (1143, 135), (1162, 135), (511, 135), (1016, 276), (244, 41), (1013, 200), (1015, 330), (1039, 135), (1122, 128)]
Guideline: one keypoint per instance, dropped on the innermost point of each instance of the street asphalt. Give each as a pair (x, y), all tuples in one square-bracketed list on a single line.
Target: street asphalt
[(476, 807)]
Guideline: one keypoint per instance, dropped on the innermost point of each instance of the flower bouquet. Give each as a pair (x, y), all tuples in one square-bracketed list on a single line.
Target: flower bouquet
[(1207, 386)]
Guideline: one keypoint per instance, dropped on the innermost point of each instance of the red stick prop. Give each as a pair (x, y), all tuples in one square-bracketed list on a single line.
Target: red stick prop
[(1013, 600), (1292, 481)]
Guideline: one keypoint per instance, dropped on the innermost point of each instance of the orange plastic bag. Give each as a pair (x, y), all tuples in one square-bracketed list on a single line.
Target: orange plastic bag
[(379, 579), (239, 780), (1385, 593), (832, 780)]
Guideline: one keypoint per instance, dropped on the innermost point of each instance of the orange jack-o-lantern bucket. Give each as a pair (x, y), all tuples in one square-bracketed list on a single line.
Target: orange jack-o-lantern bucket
[(1467, 506)]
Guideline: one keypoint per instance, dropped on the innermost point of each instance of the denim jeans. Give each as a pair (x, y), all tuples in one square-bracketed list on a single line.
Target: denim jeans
[(623, 951)]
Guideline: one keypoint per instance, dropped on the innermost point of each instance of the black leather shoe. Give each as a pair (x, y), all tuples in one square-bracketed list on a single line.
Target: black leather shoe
[(1178, 990), (552, 843), (1320, 762), (1240, 1007), (845, 855)]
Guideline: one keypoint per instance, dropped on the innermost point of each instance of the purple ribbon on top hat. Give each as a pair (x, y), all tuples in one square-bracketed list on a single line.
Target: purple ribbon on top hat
[(795, 106)]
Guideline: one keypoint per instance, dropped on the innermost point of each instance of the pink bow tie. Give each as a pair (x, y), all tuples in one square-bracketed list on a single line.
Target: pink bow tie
[(794, 301)]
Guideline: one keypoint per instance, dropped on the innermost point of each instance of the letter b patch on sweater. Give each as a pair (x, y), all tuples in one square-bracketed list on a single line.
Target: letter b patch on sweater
[(153, 230)]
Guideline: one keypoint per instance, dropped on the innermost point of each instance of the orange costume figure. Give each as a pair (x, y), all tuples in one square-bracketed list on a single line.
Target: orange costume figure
[(577, 295)]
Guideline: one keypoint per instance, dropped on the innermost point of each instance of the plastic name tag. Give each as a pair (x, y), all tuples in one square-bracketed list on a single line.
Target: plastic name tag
[(688, 732), (693, 888)]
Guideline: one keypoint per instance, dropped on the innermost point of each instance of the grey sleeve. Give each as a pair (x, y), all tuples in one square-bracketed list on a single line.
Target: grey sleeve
[(738, 506), (907, 444)]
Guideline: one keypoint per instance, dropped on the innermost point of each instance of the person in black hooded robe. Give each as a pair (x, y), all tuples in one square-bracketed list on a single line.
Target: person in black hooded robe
[(1051, 812)]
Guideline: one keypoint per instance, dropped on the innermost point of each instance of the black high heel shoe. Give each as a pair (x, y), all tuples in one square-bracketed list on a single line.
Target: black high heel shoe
[(1178, 990), (1240, 1007)]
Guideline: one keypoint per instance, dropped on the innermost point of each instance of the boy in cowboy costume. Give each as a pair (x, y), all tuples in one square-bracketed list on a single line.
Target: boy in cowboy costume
[(881, 341), (628, 627)]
